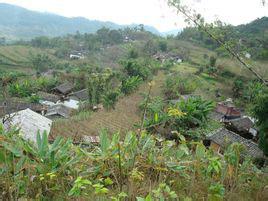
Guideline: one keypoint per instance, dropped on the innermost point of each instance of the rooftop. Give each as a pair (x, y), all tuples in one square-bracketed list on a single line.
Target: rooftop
[(29, 123), (48, 97), (59, 109), (81, 95), (64, 88), (242, 124), (224, 137)]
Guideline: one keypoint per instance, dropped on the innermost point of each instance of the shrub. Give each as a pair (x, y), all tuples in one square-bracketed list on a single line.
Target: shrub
[(260, 112), (176, 85), (196, 111), (109, 99), (34, 98), (136, 67), (130, 84), (238, 86), (212, 61)]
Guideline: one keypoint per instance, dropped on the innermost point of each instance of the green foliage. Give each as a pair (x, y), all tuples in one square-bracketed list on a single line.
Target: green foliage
[(197, 111), (61, 171), (260, 112), (238, 87), (27, 87), (41, 62), (34, 98), (98, 84), (212, 61), (23, 89), (110, 98), (162, 45), (150, 47), (137, 67), (216, 192), (130, 84), (133, 54), (253, 90), (176, 85), (251, 36)]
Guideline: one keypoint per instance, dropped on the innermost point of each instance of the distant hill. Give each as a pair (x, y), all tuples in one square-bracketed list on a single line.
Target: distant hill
[(19, 23)]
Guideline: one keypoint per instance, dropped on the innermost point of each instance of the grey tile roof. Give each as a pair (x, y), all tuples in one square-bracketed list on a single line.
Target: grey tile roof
[(224, 137), (48, 97), (64, 88), (242, 124), (59, 110), (11, 106), (81, 95)]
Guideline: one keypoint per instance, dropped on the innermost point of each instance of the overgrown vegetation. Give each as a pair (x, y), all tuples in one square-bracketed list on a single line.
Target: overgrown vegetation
[(121, 168)]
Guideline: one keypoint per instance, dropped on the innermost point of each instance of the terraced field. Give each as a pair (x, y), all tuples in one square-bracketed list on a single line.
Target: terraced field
[(122, 118), (17, 58)]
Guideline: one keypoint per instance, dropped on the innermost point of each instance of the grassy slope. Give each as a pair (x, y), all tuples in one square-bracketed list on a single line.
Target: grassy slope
[(17, 57)]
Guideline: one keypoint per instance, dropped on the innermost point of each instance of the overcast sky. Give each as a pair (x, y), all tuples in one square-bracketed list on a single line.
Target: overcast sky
[(150, 12)]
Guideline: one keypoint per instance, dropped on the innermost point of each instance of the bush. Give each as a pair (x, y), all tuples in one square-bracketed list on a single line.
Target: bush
[(110, 98), (212, 61), (130, 84), (260, 112), (34, 98), (196, 111), (176, 85), (136, 67)]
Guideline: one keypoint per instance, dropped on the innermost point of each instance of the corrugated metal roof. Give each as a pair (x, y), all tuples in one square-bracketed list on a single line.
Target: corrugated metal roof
[(29, 123)]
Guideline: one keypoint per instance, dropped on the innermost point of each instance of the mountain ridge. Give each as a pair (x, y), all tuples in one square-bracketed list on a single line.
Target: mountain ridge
[(20, 23)]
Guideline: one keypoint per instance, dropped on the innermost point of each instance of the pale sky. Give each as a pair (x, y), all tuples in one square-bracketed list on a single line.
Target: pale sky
[(149, 12)]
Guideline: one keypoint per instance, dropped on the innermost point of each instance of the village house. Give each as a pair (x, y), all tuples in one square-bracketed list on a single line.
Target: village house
[(81, 95), (221, 138), (225, 110), (243, 126), (58, 111), (64, 88), (76, 55), (29, 124), (47, 97), (11, 106)]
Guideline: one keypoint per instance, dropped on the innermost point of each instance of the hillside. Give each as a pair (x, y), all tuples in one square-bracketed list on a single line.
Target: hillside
[(251, 37), (19, 23)]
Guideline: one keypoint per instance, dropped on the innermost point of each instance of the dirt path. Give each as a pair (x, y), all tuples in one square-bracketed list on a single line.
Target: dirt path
[(122, 118)]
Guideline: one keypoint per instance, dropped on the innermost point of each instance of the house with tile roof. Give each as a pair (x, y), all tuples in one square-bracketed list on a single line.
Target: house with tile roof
[(222, 137)]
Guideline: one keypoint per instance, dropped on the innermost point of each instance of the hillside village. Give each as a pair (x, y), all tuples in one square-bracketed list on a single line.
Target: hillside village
[(126, 114)]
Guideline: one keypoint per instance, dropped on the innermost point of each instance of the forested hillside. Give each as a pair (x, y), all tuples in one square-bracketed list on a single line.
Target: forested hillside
[(251, 38)]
